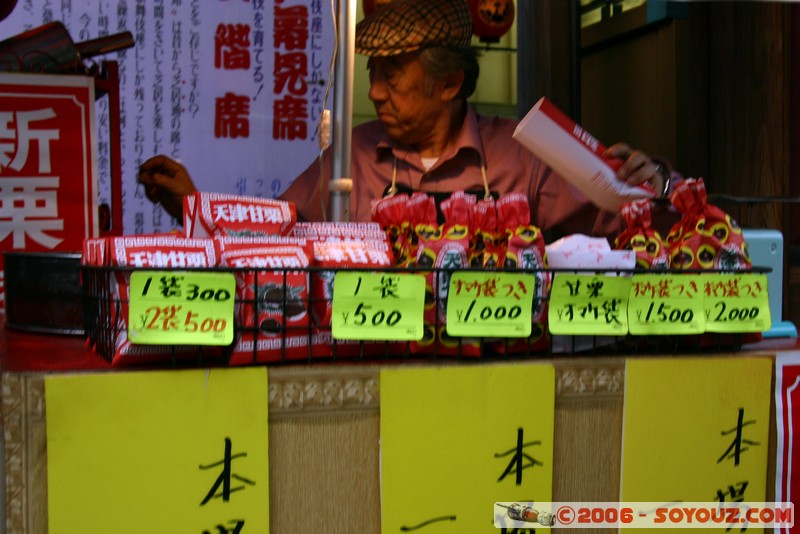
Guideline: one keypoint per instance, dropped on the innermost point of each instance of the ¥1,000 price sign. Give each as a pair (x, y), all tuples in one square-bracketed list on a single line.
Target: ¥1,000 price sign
[(490, 304), (378, 306), (181, 308), (736, 302), (662, 304)]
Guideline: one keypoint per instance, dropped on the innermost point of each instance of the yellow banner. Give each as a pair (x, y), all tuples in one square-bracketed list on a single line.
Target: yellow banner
[(168, 451), (455, 440), (696, 430)]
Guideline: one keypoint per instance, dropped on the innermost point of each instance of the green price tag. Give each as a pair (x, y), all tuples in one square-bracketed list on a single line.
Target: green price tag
[(181, 308), (489, 304), (736, 303), (593, 305), (378, 306), (661, 304)]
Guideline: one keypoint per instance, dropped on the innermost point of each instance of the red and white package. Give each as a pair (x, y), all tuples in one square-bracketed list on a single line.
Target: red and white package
[(168, 251), (220, 214), (576, 155), (189, 215), (338, 231), (94, 251), (273, 302)]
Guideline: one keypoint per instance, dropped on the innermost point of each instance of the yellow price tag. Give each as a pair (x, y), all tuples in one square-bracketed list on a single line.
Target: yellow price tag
[(378, 306), (736, 302), (181, 308), (593, 305), (490, 304), (666, 304)]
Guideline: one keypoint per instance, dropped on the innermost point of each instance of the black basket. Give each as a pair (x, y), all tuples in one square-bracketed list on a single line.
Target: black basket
[(312, 342)]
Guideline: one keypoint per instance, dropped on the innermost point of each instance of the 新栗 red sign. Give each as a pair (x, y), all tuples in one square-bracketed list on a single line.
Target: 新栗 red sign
[(48, 167)]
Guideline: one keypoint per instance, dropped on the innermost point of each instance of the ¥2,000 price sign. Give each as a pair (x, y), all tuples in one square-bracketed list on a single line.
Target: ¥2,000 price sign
[(662, 304), (736, 302), (489, 304), (181, 308), (591, 305), (378, 306)]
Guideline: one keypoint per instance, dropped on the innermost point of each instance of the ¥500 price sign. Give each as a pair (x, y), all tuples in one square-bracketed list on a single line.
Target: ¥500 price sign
[(378, 306), (488, 304), (181, 308)]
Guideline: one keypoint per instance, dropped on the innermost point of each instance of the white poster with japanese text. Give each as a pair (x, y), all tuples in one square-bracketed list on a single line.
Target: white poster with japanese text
[(231, 88)]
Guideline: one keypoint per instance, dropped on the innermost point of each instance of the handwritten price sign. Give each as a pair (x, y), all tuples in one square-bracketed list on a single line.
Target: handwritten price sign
[(736, 302), (589, 305), (378, 306), (490, 304), (665, 304), (181, 308)]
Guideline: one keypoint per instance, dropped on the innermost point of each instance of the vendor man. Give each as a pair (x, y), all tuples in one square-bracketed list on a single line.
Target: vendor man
[(427, 137)]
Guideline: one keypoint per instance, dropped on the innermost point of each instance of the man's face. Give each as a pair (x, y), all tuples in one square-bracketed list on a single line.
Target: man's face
[(407, 101)]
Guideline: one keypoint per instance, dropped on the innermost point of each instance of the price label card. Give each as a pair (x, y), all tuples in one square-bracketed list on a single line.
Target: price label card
[(181, 308), (736, 303), (593, 305), (661, 304), (489, 304), (378, 306)]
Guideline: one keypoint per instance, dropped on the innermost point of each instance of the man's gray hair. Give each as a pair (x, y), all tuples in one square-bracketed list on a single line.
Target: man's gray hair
[(440, 61)]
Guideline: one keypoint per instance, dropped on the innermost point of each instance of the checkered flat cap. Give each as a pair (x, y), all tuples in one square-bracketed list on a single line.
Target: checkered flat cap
[(409, 25)]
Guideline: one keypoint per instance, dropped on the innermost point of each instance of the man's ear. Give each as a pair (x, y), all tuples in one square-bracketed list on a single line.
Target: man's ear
[(452, 85)]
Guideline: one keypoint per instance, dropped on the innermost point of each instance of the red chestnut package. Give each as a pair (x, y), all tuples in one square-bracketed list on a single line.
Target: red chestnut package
[(443, 247), (705, 237), (525, 250), (272, 296), (640, 236), (391, 214)]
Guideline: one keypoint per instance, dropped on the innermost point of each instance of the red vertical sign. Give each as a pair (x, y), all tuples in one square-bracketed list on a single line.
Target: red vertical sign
[(787, 397), (48, 165)]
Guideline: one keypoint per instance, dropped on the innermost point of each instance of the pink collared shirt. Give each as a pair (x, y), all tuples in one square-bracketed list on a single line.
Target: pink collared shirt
[(510, 167)]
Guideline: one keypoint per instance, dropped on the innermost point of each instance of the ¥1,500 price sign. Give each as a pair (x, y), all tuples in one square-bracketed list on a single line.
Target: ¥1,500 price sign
[(378, 306), (181, 308), (488, 304), (736, 302), (662, 304)]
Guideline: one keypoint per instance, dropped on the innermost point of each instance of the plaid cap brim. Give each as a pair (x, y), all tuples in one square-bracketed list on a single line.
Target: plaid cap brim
[(408, 25)]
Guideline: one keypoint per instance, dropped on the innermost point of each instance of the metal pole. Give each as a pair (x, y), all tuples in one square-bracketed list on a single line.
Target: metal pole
[(341, 183)]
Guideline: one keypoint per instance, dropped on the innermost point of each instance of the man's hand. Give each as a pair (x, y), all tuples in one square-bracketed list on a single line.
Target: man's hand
[(637, 167), (166, 182)]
